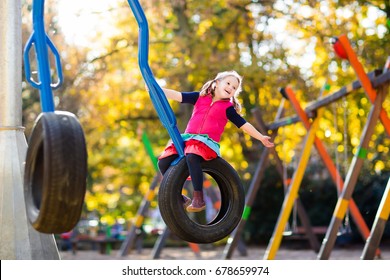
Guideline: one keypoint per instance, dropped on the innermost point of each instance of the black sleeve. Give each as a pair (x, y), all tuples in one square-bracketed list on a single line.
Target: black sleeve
[(190, 97), (234, 117)]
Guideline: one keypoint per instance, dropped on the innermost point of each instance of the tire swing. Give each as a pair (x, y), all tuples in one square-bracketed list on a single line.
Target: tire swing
[(56, 161), (228, 216), (169, 195)]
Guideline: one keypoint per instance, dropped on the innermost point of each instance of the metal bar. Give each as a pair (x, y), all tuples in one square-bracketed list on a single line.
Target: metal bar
[(10, 64), (18, 239), (351, 179), (160, 102), (41, 43)]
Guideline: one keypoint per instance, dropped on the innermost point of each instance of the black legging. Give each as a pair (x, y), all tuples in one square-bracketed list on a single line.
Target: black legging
[(194, 166)]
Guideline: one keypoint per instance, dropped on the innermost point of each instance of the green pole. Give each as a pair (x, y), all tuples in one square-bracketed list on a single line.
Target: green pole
[(149, 150)]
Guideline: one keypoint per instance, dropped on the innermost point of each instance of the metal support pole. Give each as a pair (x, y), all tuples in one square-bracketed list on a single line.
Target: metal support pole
[(18, 239)]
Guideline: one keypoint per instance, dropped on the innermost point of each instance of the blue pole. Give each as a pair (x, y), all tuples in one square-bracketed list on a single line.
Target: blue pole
[(41, 43), (159, 100)]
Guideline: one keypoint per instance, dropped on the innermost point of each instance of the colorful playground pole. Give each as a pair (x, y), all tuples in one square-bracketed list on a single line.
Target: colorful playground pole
[(378, 227), (382, 215), (356, 215), (18, 239), (149, 150), (128, 243), (234, 238), (302, 214), (363, 78), (251, 193), (292, 193), (352, 177)]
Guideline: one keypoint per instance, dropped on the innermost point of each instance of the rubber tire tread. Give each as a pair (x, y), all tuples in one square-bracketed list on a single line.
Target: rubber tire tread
[(232, 202), (55, 173)]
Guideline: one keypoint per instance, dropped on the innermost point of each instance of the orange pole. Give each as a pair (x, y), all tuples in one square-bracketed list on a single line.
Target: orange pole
[(364, 80)]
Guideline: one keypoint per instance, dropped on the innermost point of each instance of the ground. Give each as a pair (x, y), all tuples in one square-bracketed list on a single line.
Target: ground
[(209, 252)]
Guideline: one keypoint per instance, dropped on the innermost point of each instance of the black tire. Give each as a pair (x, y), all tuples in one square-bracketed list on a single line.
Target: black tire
[(55, 173), (177, 219)]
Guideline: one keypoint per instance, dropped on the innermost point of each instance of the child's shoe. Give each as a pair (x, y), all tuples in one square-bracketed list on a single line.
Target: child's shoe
[(186, 201), (198, 203)]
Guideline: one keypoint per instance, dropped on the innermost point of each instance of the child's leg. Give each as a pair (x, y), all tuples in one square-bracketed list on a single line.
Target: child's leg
[(195, 168), (163, 165)]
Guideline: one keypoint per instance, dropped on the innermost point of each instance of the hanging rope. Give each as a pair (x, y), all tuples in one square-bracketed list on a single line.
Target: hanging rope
[(347, 227), (336, 145), (286, 181)]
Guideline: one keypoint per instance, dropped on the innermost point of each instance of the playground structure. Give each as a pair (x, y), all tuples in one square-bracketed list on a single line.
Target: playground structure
[(309, 141), (372, 239), (376, 86), (234, 238), (54, 167), (170, 190), (371, 249), (129, 242), (27, 243), (18, 239), (55, 174)]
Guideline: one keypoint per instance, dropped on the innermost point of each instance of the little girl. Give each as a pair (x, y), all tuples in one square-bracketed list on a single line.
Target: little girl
[(214, 105)]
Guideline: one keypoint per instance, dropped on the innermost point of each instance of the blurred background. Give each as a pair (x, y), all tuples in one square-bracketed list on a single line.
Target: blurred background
[(272, 44)]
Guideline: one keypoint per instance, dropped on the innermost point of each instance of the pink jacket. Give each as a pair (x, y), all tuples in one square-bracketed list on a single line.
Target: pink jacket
[(209, 117)]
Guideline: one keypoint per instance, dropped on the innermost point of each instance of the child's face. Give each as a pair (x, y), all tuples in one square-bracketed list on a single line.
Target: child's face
[(227, 87)]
